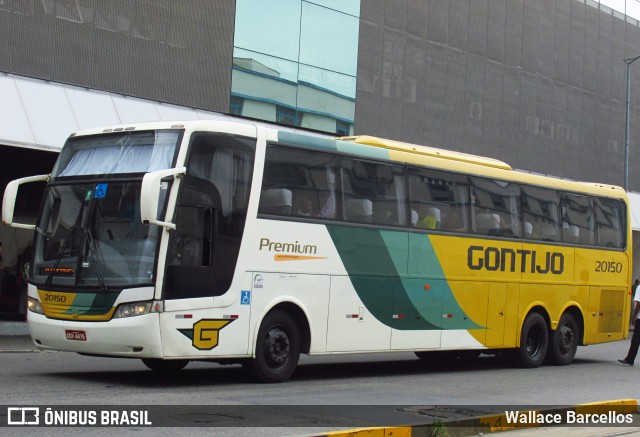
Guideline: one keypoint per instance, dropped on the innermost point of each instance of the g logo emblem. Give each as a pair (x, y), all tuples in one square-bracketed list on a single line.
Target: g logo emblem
[(205, 333)]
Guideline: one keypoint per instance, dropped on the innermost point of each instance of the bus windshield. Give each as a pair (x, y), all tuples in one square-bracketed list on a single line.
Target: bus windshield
[(91, 235)]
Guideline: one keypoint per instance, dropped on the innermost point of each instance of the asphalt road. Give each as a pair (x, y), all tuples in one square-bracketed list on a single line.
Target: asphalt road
[(351, 388)]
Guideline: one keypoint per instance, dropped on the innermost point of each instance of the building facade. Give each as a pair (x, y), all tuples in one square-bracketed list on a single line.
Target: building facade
[(540, 84)]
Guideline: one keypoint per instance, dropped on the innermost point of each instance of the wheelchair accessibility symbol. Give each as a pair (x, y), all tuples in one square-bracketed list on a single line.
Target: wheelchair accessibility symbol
[(245, 298), (101, 191)]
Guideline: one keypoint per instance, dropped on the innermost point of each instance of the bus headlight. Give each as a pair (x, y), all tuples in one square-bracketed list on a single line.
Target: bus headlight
[(35, 305), (132, 309)]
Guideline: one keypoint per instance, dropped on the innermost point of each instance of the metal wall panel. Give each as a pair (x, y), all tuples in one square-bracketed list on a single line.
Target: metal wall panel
[(478, 27), (435, 104), (392, 101), (438, 16), (590, 60), (537, 83), (496, 28), (369, 82), (177, 52), (417, 17), (562, 40), (414, 96), (458, 24), (6, 32), (513, 32)]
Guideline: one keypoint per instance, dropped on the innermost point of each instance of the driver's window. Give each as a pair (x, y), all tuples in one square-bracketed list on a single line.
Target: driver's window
[(191, 242)]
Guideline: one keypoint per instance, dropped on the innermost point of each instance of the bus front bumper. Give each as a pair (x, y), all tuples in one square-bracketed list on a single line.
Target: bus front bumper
[(132, 337)]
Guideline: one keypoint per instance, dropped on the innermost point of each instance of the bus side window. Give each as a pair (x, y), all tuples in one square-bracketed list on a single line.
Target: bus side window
[(373, 193), (298, 183), (610, 222), (540, 210), (577, 219), (438, 200), (496, 207)]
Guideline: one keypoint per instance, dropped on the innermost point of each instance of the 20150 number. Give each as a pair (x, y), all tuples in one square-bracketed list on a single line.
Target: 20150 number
[(55, 298), (608, 267)]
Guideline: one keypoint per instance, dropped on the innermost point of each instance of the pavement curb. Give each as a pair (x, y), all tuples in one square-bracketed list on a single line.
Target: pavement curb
[(490, 423), (8, 328)]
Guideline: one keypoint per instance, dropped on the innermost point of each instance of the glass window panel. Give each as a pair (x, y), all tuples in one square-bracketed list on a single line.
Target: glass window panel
[(265, 65), (496, 207), (298, 182), (270, 27), (540, 212), (439, 200), (325, 106), (341, 84), (610, 222), (373, 193), (329, 39), (295, 63), (577, 219), (263, 82), (351, 7)]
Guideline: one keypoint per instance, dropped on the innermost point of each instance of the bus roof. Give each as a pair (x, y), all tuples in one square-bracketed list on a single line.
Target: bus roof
[(426, 150), (493, 167)]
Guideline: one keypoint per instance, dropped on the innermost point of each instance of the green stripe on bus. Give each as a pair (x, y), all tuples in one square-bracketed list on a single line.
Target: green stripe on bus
[(377, 262), (331, 145), (429, 293), (374, 276), (92, 303), (307, 141), (363, 150)]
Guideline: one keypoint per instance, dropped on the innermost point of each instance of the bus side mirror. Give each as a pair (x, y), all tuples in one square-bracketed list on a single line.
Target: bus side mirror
[(150, 195), (9, 200)]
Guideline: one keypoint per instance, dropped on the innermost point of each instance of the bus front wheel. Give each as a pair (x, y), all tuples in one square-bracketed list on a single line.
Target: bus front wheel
[(534, 341), (277, 349), (564, 341), (164, 365)]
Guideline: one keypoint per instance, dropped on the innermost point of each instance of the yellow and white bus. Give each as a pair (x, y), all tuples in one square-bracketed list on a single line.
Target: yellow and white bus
[(239, 243)]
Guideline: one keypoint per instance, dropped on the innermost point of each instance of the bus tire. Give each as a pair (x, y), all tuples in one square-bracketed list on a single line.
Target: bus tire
[(277, 349), (564, 341), (534, 341), (164, 365)]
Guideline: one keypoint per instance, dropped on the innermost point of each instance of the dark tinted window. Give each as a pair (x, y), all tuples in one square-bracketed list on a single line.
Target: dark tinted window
[(610, 222), (577, 219), (438, 200), (495, 207), (373, 192), (299, 183)]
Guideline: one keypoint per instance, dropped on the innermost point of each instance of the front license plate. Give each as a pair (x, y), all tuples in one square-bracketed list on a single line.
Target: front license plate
[(76, 335)]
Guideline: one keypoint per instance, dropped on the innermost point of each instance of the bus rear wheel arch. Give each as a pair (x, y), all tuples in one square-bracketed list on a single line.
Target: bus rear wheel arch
[(534, 341), (277, 348)]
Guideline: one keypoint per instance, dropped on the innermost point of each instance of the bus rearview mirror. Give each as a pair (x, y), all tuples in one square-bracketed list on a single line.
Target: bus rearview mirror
[(10, 196), (150, 195)]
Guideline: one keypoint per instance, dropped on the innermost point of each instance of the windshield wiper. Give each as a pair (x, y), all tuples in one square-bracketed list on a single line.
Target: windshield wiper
[(63, 249), (95, 253)]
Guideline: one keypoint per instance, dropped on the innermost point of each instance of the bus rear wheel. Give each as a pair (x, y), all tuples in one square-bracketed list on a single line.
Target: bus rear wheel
[(164, 365), (534, 341), (277, 349), (564, 341)]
